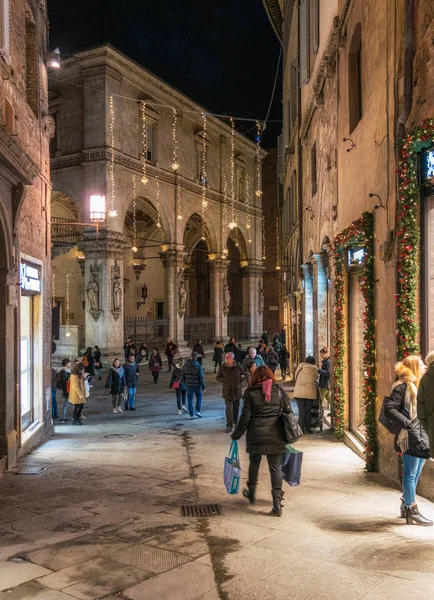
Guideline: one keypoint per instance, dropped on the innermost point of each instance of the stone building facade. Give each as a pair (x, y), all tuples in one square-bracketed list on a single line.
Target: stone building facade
[(357, 82), (197, 271), (25, 265)]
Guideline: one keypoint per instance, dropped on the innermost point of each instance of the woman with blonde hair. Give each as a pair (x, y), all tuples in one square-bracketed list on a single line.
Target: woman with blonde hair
[(77, 392), (411, 441)]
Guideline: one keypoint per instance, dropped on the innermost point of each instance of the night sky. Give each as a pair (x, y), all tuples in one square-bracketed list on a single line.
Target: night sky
[(221, 53)]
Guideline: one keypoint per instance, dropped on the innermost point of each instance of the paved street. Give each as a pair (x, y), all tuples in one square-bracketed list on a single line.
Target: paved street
[(102, 518)]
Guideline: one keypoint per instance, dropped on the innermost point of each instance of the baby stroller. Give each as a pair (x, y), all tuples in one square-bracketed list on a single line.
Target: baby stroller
[(317, 414)]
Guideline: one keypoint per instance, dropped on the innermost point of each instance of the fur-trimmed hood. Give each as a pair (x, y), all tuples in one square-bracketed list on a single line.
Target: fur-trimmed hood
[(404, 373)]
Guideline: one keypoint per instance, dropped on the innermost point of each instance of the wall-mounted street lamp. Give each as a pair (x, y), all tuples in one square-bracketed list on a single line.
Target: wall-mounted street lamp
[(142, 301), (52, 59)]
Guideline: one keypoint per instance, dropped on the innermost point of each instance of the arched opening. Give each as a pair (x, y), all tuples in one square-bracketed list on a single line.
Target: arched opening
[(200, 282)]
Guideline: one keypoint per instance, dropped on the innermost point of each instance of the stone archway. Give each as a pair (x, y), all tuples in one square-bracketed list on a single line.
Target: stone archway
[(6, 353)]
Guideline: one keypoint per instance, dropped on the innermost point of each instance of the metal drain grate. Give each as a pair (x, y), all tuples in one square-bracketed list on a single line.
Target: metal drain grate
[(200, 510)]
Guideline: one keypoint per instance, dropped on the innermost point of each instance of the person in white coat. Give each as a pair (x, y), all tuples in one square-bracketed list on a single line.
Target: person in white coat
[(305, 391)]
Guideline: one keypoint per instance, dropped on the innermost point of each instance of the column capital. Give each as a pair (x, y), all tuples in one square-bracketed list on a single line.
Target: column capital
[(104, 244), (218, 265), (172, 258), (253, 270)]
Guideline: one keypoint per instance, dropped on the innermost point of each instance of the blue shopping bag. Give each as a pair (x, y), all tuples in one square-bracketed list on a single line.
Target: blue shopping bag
[(291, 465), (232, 470)]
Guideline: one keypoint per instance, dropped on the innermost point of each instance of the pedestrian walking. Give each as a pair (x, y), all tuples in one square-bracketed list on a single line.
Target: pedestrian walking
[(177, 384), (411, 441), (63, 383), (198, 348), (218, 355), (131, 370), (425, 401), (54, 409), (253, 358), (194, 381), (98, 364), (155, 364), (77, 393), (283, 337), (272, 359), (117, 385), (324, 377), (305, 391), (284, 361), (261, 418), (171, 349), (143, 353), (233, 376), (89, 363), (277, 344), (264, 337), (129, 344), (240, 354), (262, 350), (231, 346)]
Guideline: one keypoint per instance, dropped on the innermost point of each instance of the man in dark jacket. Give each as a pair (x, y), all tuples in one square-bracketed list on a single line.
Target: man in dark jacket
[(272, 359), (425, 401), (132, 372), (128, 346), (264, 337), (63, 377), (170, 352), (195, 383), (198, 348), (230, 346), (324, 376), (232, 375)]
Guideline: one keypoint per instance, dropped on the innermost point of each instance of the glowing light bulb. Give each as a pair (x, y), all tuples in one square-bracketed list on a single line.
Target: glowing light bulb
[(144, 180), (112, 213), (68, 334), (175, 166), (134, 248)]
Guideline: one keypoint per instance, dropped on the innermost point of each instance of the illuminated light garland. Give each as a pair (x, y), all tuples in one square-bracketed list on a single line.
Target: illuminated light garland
[(233, 222), (359, 234), (67, 332), (179, 200), (134, 248), (225, 215), (175, 164), (144, 142), (259, 129), (264, 253), (408, 233), (112, 212), (157, 181), (203, 176), (53, 289), (278, 267), (248, 223)]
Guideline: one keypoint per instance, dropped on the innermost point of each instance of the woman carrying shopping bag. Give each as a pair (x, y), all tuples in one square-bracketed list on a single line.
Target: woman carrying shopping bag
[(177, 384), (261, 417)]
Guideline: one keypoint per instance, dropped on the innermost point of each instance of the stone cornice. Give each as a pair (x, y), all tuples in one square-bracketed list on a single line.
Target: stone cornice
[(105, 244), (16, 159), (102, 70), (274, 13)]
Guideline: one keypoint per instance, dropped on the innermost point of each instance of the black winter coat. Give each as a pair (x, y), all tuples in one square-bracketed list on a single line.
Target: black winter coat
[(324, 375), (90, 367), (283, 358), (418, 443), (117, 384), (199, 349), (177, 376), (131, 371), (262, 421), (192, 375), (218, 355), (425, 405), (232, 378), (230, 347)]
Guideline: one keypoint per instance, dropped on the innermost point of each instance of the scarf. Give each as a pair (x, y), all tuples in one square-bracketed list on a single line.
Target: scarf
[(410, 405), (119, 371), (266, 389)]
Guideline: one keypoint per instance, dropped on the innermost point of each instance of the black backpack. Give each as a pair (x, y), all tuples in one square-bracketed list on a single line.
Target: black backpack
[(59, 380), (391, 425)]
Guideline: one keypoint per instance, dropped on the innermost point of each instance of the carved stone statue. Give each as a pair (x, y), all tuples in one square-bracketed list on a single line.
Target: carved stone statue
[(226, 299), (92, 293), (260, 298), (116, 291), (117, 295), (182, 299)]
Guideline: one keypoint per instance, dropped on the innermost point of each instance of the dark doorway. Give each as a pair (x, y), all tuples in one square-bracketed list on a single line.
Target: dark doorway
[(200, 294), (234, 279)]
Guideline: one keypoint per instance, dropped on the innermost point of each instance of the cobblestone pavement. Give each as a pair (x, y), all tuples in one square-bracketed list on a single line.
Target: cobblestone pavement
[(102, 518)]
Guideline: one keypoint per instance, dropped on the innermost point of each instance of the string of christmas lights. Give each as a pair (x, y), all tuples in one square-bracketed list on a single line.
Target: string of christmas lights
[(225, 216), (134, 248), (53, 288), (203, 176), (264, 252), (112, 212), (179, 199), (144, 142), (277, 245), (67, 332), (157, 182), (259, 130), (233, 222), (248, 223), (175, 164)]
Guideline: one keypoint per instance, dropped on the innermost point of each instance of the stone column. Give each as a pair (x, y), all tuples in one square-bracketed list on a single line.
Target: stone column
[(104, 313), (219, 271), (255, 297), (321, 325), (308, 309), (173, 263)]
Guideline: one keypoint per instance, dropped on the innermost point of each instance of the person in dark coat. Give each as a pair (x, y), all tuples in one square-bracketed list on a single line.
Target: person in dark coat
[(218, 356), (232, 375), (143, 353), (54, 408), (283, 361), (155, 364), (411, 441), (231, 346), (425, 401), (263, 404), (90, 367), (272, 359), (132, 373), (128, 346), (240, 354), (262, 350), (98, 364), (117, 385), (179, 386), (264, 337), (198, 348), (194, 380), (324, 376), (170, 352)]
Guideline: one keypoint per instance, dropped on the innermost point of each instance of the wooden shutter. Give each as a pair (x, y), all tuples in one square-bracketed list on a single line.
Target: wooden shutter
[(315, 26), (304, 41)]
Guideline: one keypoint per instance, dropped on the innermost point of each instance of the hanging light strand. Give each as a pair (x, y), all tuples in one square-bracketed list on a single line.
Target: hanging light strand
[(278, 266), (175, 164), (203, 176), (264, 254), (144, 142), (259, 129), (67, 333), (157, 181), (112, 212), (248, 223), (179, 198), (53, 289), (233, 223), (225, 215), (134, 248)]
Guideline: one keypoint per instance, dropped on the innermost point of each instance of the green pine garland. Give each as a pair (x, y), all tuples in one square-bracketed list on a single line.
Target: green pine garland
[(408, 232), (360, 233)]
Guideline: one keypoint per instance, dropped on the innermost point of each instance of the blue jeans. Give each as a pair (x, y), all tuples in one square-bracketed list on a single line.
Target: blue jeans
[(412, 469), (190, 394), (131, 397), (54, 413), (180, 398)]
